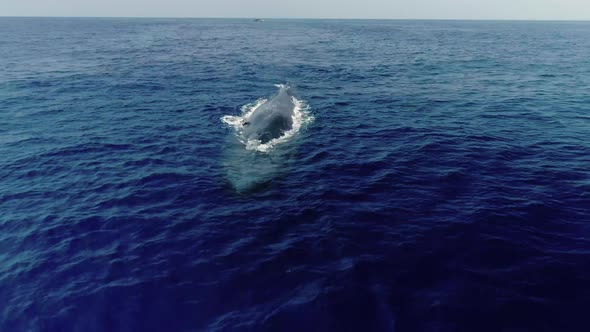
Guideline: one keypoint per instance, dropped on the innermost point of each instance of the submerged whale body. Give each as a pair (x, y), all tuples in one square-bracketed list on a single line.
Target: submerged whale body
[(271, 119)]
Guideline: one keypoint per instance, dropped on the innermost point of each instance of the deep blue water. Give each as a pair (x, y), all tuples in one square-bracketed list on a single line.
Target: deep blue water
[(443, 185)]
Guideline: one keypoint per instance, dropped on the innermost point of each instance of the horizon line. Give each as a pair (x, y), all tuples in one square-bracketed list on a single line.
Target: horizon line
[(310, 18)]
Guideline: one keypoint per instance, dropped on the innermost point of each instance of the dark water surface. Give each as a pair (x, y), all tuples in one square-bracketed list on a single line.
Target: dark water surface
[(444, 184)]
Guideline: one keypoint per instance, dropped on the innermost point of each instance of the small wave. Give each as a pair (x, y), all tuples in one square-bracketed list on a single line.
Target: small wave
[(301, 117)]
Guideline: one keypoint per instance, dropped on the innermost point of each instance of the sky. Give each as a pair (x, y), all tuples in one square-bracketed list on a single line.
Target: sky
[(387, 9)]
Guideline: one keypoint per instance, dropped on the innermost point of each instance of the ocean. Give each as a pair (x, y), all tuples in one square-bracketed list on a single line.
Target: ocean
[(438, 178)]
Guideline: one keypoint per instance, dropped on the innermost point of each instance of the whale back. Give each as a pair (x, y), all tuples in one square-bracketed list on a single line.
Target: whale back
[(271, 119)]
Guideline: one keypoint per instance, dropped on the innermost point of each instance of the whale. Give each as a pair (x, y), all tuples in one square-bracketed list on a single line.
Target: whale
[(271, 119), (264, 140)]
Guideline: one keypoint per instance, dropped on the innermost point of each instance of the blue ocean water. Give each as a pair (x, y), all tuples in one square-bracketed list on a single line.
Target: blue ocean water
[(442, 183)]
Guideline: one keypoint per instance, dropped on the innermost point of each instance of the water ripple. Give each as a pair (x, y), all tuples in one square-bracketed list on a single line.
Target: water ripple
[(443, 185)]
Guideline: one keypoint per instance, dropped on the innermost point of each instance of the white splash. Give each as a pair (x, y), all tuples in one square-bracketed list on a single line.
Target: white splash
[(301, 117)]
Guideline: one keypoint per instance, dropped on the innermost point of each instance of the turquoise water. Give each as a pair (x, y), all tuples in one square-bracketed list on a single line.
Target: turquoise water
[(439, 179)]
